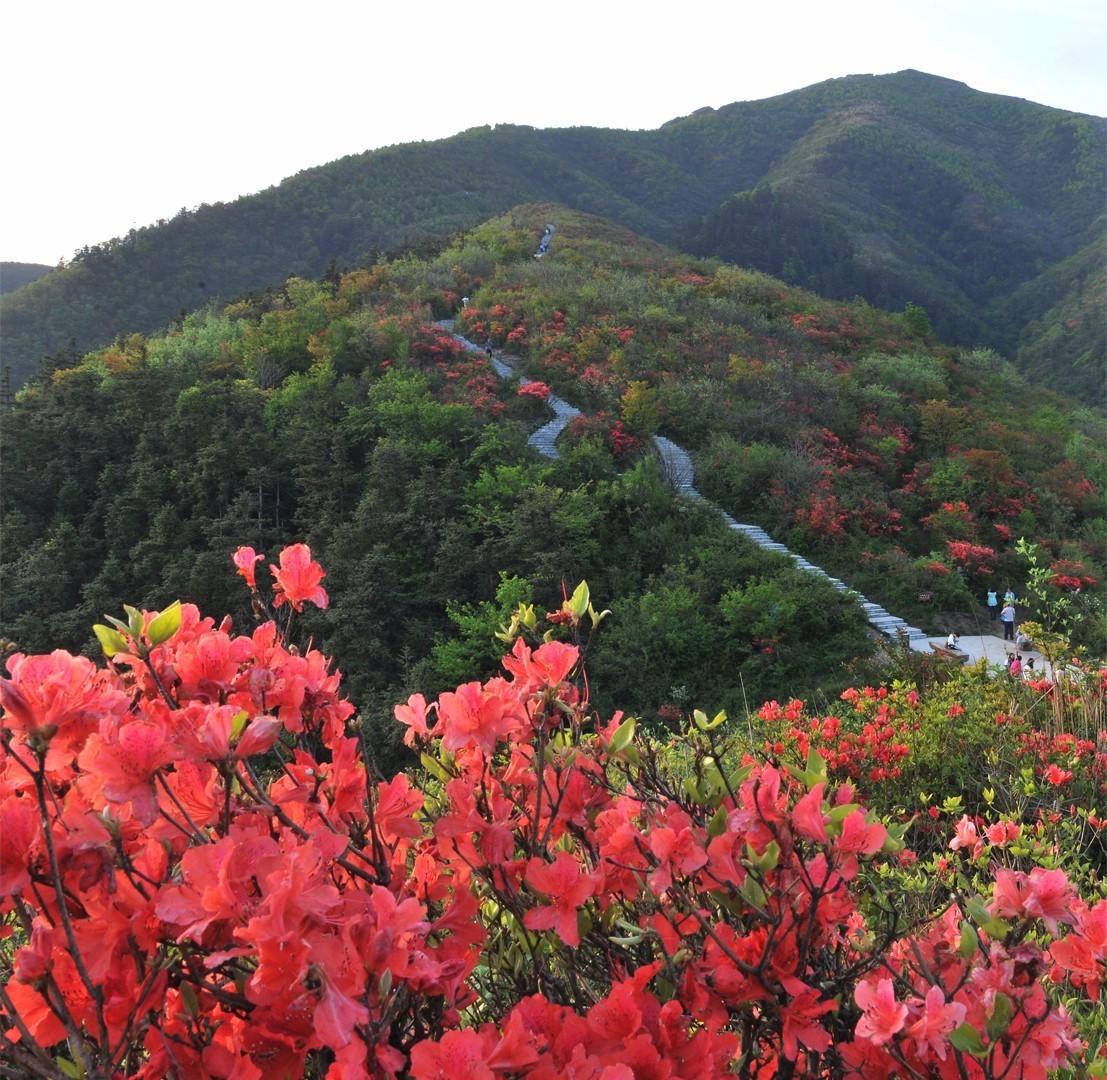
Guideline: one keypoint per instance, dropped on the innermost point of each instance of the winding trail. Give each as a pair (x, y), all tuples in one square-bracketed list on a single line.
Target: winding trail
[(677, 466)]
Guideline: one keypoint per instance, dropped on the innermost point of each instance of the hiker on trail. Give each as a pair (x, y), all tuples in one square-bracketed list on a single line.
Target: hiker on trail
[(488, 348), (1015, 667), (953, 641), (544, 243), (1008, 596), (1007, 617), (1022, 641), (993, 604)]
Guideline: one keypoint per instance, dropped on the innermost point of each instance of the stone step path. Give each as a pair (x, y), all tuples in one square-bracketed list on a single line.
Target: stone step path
[(677, 466)]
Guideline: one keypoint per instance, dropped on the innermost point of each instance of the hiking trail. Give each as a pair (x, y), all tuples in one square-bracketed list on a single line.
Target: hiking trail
[(677, 466)]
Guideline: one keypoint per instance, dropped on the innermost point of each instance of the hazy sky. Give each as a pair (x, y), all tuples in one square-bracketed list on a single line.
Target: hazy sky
[(120, 113)]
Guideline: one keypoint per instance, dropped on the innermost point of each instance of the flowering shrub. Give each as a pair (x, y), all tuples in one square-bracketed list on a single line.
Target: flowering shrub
[(1067, 574), (614, 433), (536, 389), (973, 558), (952, 520), (867, 748), (200, 879)]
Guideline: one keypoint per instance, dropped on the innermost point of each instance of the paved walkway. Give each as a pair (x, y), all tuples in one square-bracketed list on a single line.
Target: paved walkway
[(677, 466), (993, 650)]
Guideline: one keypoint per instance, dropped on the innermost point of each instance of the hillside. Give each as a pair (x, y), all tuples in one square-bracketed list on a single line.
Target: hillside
[(14, 275), (901, 188), (338, 413)]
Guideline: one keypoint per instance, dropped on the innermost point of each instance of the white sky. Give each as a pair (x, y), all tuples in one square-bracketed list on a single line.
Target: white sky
[(122, 112)]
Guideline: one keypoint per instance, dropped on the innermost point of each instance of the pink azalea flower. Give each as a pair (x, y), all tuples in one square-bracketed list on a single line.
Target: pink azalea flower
[(883, 1015), (808, 818), (936, 1020), (297, 579), (414, 716), (1043, 894), (244, 559)]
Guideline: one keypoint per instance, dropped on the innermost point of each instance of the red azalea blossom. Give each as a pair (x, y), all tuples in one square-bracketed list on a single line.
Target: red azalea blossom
[(297, 579)]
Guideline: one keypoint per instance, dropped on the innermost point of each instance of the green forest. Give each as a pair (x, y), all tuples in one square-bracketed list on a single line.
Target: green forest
[(342, 413)]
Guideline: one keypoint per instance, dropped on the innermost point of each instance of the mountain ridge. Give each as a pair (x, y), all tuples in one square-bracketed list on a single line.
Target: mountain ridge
[(900, 188)]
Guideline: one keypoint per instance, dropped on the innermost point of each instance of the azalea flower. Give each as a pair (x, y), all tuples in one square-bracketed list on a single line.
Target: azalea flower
[(414, 716), (883, 1014), (244, 559), (965, 836), (1043, 894), (297, 579), (567, 887), (936, 1020), (125, 762)]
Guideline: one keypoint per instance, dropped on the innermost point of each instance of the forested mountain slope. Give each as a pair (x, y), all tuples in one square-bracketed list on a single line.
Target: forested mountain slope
[(900, 188), (14, 275), (336, 412)]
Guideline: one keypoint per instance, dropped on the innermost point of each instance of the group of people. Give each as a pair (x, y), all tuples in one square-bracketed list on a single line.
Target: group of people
[(544, 243), (1006, 613), (1016, 667)]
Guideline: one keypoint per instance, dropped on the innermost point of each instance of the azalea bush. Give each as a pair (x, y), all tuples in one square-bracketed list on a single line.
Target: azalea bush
[(200, 878)]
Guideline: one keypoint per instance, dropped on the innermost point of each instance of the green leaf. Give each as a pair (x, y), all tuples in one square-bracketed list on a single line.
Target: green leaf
[(166, 624), (970, 940), (967, 1039), (768, 861), (624, 733), (815, 773), (694, 790), (434, 767), (716, 781), (717, 825), (700, 718), (597, 619), (191, 1002), (111, 641), (578, 602), (1000, 1019), (134, 621), (70, 1068), (751, 890), (238, 725), (893, 839)]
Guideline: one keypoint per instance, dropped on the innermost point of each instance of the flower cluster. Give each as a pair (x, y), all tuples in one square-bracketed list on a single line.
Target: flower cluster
[(535, 389), (203, 881), (868, 748)]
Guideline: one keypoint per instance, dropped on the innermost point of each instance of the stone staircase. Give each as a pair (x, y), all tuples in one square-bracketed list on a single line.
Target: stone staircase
[(677, 466)]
